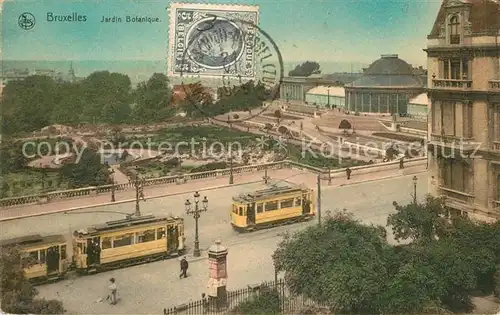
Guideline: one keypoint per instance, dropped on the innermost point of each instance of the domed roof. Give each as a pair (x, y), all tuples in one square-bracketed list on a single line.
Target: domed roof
[(389, 64), (388, 72)]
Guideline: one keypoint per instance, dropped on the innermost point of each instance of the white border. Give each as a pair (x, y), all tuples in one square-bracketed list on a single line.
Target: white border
[(200, 6)]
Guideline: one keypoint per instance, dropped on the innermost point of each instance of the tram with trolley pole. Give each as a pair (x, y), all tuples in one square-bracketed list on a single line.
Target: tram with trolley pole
[(278, 204)]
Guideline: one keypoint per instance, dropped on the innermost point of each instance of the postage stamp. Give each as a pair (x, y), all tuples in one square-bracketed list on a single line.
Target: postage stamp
[(212, 40)]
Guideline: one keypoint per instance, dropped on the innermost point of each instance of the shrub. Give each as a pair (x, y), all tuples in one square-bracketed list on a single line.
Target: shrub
[(267, 303)]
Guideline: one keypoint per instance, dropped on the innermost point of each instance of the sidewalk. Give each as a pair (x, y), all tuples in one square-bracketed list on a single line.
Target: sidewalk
[(291, 175)]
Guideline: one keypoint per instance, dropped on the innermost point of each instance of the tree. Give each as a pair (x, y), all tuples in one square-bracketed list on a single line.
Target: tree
[(18, 295), (305, 69), (107, 97), (341, 263), (89, 171), (152, 100), (420, 222), (345, 124)]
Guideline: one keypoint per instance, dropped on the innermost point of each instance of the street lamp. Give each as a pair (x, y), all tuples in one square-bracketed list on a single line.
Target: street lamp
[(415, 179), (112, 175), (231, 179), (266, 178), (42, 174), (139, 191), (328, 89), (196, 215)]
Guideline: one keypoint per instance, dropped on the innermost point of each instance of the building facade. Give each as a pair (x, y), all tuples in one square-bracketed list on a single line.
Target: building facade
[(463, 54), (295, 88), (385, 87), (418, 106), (326, 97)]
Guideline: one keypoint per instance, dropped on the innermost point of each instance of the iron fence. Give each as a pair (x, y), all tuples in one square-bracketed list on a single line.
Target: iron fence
[(289, 303)]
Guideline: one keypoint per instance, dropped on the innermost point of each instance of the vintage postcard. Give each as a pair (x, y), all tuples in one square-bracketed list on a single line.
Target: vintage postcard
[(186, 157)]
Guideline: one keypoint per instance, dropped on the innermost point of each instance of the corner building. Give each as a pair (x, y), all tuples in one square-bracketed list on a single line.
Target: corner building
[(463, 56)]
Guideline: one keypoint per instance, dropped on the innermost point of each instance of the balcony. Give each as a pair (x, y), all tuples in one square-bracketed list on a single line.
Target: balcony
[(454, 142), (494, 85), (496, 145), (451, 84), (455, 195)]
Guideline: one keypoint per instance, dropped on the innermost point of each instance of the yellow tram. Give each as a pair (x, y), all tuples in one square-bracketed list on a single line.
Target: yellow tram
[(45, 257), (126, 242), (275, 205)]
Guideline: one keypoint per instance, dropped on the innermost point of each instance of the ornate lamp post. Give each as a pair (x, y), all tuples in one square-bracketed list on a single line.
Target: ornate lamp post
[(196, 215), (266, 178), (139, 192), (112, 175), (42, 174), (231, 179), (415, 180)]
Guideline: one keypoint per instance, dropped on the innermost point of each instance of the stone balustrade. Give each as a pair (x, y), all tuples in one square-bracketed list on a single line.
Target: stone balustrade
[(494, 85), (496, 145), (166, 180), (451, 84), (456, 195)]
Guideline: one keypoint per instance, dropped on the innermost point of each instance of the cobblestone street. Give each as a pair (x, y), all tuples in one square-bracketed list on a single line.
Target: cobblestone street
[(151, 287)]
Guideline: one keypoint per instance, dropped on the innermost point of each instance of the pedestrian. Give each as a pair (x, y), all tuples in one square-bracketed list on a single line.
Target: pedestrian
[(112, 291), (184, 267), (348, 172), (401, 163)]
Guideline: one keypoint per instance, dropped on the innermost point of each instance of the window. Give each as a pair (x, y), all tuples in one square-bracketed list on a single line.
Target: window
[(106, 243), (454, 30), (63, 251), (496, 122), (43, 256), (123, 240), (448, 118), (456, 175), (467, 121), (498, 188), (33, 256), (456, 69), (160, 233), (298, 201), (240, 211), (271, 205), (146, 236), (235, 209), (286, 203), (260, 208)]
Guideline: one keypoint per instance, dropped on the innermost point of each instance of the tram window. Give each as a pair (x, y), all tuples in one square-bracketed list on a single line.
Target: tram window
[(271, 205), (298, 202), (235, 209), (240, 211), (123, 240), (43, 256), (286, 203), (32, 257), (63, 251), (146, 236), (160, 233), (106, 243), (260, 208)]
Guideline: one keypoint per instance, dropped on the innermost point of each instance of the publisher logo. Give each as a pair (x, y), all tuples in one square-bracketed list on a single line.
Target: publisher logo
[(26, 21)]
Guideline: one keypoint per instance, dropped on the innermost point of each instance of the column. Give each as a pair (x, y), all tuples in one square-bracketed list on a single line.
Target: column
[(449, 68), (217, 259), (370, 96), (397, 103)]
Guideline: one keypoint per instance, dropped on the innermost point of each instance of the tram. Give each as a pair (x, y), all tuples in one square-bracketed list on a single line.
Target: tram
[(273, 206), (43, 257), (122, 243), (114, 244)]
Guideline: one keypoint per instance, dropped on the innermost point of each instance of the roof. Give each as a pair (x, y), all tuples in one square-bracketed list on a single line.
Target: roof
[(272, 189), (33, 240), (420, 99), (324, 90), (484, 16), (389, 71), (115, 225)]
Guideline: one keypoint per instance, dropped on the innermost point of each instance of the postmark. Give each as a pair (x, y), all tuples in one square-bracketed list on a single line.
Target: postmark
[(222, 44)]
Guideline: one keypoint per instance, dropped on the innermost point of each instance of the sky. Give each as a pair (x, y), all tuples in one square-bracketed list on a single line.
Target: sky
[(319, 30)]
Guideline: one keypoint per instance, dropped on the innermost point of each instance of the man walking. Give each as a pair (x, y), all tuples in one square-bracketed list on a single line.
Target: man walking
[(348, 173), (184, 267), (112, 291)]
